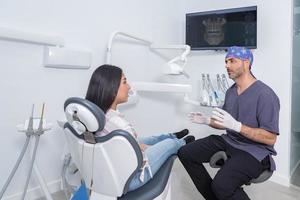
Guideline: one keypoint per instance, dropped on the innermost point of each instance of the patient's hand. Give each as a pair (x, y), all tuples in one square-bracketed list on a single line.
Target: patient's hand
[(143, 147)]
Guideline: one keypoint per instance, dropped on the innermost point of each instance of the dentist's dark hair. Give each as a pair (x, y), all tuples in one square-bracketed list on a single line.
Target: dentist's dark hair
[(104, 85)]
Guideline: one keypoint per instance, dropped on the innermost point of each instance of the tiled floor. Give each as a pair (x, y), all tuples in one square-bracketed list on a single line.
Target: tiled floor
[(262, 191), (183, 188)]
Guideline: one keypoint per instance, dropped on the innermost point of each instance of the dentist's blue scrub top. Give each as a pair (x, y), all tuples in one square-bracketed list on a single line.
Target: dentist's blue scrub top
[(257, 107)]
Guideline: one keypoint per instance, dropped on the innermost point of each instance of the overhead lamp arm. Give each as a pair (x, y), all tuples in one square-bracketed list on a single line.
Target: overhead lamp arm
[(114, 35), (173, 68), (182, 57), (186, 48)]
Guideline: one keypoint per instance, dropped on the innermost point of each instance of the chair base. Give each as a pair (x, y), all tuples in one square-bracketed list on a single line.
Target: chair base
[(95, 196), (165, 195)]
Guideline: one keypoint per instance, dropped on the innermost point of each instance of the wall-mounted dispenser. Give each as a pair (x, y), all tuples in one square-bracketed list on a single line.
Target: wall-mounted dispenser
[(56, 57)]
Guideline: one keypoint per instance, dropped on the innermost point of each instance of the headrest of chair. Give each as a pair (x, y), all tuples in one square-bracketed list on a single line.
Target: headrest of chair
[(84, 115)]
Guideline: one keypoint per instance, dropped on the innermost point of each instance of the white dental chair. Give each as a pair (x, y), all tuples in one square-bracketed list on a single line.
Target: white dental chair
[(107, 164)]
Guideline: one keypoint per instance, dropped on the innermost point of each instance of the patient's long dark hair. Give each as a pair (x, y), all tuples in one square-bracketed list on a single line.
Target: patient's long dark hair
[(104, 85)]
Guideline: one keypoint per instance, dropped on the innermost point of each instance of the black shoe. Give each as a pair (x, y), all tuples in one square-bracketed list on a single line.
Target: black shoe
[(182, 133), (189, 138)]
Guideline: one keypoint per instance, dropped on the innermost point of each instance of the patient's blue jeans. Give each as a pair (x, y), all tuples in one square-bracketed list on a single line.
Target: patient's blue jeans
[(160, 149)]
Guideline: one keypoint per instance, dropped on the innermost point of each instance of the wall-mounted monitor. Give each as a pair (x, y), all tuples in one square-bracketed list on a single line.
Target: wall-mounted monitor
[(220, 29)]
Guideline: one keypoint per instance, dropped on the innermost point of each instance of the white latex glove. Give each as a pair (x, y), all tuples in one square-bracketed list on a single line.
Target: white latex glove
[(224, 119), (199, 118)]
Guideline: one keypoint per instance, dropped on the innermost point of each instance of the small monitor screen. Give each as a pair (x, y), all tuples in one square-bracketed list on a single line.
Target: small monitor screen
[(222, 28)]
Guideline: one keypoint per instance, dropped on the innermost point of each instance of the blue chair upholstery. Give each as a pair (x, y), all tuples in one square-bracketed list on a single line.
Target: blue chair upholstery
[(155, 186)]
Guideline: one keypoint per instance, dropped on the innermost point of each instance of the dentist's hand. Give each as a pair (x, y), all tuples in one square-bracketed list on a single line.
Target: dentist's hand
[(224, 119), (199, 118)]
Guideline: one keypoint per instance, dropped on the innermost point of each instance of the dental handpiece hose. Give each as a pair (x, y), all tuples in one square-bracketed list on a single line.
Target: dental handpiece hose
[(29, 132), (15, 167), (37, 138)]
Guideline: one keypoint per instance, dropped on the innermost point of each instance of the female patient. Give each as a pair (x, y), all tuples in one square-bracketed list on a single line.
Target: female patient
[(108, 88)]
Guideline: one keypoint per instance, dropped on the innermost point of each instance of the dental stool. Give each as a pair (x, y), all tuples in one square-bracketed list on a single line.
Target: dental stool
[(219, 159), (107, 164)]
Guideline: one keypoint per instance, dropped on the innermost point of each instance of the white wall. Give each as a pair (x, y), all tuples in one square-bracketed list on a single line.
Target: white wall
[(86, 25), (272, 62), (295, 107)]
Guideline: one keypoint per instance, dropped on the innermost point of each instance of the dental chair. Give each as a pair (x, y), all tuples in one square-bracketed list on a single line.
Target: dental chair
[(219, 159), (107, 164)]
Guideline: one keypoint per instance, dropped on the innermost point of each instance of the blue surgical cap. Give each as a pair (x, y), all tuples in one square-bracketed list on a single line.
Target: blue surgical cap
[(240, 53)]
